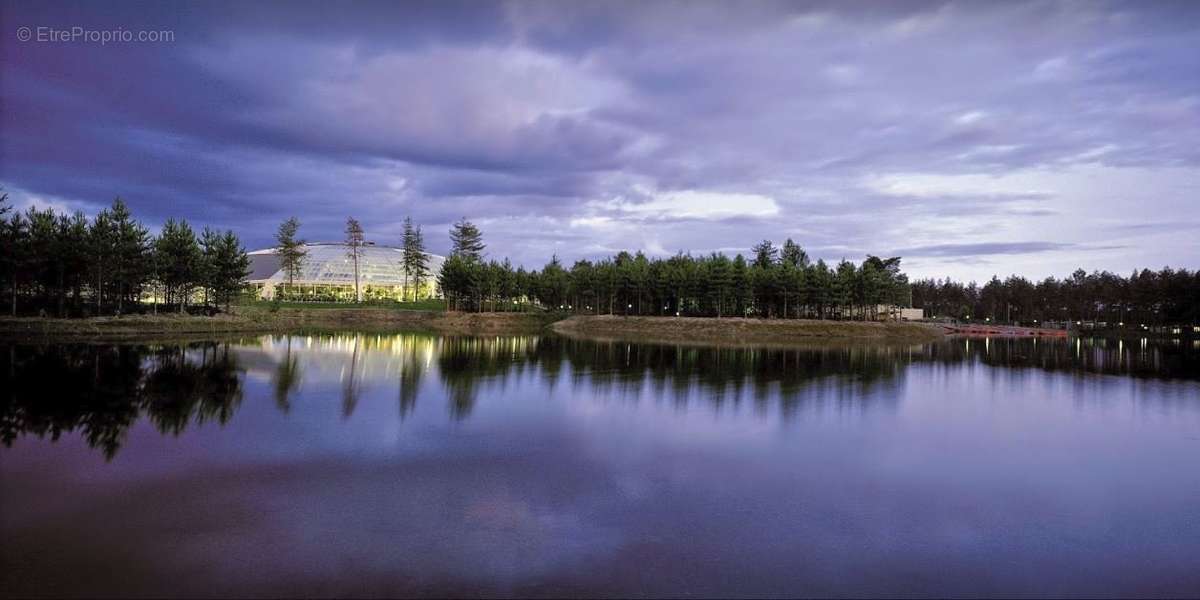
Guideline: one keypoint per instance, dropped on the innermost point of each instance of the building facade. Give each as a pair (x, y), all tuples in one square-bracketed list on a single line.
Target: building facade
[(327, 275)]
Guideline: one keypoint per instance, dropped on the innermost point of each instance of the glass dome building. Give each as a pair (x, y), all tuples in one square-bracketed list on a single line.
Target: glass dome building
[(327, 274)]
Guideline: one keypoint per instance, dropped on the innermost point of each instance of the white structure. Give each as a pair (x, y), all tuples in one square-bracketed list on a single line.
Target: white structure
[(327, 274)]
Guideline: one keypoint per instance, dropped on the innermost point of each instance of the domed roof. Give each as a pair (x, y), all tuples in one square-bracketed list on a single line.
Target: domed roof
[(331, 264)]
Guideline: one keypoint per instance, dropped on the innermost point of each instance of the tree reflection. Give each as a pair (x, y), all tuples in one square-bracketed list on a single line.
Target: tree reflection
[(679, 373), (182, 386), (721, 375), (286, 379), (102, 390), (350, 380), (412, 370), (1141, 358)]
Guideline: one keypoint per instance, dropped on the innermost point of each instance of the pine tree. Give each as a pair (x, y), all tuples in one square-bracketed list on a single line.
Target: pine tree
[(455, 280), (844, 283), (231, 267), (15, 255), (554, 282), (764, 278), (178, 256), (764, 254), (74, 232), (290, 250), (354, 250), (207, 268), (793, 255), (102, 243), (41, 263), (130, 253), (466, 241), (720, 280), (416, 262)]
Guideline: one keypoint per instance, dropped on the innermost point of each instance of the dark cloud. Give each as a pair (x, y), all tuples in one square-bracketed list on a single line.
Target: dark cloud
[(537, 118)]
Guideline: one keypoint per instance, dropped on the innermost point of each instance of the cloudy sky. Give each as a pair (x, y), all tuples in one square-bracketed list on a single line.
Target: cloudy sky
[(970, 138)]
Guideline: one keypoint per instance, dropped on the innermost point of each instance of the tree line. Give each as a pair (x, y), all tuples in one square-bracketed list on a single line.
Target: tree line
[(774, 282), (1167, 296), (67, 265)]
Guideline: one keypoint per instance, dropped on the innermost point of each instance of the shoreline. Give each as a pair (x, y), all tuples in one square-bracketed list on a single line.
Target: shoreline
[(732, 331), (257, 321), (739, 331)]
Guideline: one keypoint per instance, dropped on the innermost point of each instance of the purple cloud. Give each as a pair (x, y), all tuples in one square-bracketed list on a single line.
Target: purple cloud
[(583, 128)]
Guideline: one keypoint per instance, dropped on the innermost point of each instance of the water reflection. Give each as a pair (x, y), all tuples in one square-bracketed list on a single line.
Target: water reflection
[(101, 390), (1143, 358), (529, 466)]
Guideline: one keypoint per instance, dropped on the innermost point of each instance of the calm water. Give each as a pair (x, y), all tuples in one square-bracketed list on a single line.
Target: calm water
[(416, 465)]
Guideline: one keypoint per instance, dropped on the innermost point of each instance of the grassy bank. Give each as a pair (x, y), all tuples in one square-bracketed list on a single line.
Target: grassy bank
[(736, 331), (263, 319)]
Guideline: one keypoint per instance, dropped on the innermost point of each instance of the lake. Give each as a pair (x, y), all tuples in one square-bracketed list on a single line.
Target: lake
[(364, 465)]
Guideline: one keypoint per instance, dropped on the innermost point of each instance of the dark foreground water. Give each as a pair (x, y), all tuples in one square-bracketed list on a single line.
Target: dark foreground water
[(416, 465)]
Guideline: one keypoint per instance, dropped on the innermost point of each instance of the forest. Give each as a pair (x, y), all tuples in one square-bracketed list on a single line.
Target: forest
[(1145, 297), (782, 282), (62, 265), (59, 264), (773, 283)]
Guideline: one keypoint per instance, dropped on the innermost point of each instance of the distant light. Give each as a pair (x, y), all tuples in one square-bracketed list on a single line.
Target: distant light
[(630, 306), (1079, 322), (677, 313)]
